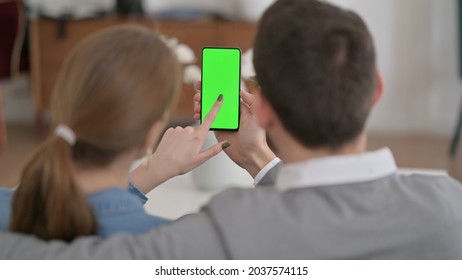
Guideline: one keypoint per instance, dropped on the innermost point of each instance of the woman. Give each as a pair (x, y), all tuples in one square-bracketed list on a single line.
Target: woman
[(110, 105)]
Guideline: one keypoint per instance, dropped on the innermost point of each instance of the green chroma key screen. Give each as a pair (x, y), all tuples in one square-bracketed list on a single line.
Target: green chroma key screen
[(221, 74)]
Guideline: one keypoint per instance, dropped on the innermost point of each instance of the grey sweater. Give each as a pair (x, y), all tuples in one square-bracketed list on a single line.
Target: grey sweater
[(397, 217)]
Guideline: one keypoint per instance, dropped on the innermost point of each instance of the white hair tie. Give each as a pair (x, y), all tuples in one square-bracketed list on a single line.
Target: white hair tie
[(66, 133)]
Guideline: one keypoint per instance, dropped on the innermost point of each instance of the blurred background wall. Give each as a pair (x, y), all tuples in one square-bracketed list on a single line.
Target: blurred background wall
[(417, 54)]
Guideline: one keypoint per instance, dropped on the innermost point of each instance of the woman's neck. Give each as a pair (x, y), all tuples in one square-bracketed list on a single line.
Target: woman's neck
[(96, 179)]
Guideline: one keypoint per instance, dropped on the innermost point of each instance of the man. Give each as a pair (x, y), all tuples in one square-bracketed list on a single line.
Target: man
[(315, 64)]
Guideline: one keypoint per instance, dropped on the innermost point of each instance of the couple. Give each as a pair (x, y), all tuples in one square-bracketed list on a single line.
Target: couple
[(323, 197)]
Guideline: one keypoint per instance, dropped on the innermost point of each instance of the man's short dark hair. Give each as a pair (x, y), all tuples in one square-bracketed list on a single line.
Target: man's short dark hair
[(315, 64)]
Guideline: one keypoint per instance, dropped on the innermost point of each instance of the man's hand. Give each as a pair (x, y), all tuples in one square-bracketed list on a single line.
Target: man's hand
[(249, 148), (178, 152)]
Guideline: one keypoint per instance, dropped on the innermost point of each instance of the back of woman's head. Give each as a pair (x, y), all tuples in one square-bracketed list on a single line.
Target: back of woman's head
[(113, 87)]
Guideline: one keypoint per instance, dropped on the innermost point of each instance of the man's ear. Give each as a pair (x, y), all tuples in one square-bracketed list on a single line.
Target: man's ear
[(378, 92), (264, 112), (153, 136)]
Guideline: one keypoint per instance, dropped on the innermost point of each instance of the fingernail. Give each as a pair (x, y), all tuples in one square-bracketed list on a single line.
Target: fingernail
[(225, 145), (220, 97)]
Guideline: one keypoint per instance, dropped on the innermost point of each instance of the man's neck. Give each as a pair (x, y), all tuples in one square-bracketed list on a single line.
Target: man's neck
[(291, 151)]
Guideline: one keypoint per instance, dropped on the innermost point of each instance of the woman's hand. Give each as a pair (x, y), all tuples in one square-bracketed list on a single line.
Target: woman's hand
[(178, 152)]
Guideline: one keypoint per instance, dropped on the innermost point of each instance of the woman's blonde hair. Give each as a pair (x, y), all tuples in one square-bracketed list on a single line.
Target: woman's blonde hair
[(113, 87)]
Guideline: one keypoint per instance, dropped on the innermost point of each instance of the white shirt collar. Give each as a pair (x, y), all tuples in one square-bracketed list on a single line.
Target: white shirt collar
[(335, 170)]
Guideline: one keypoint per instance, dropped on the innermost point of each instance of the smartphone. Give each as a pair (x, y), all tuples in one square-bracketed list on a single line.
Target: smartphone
[(221, 74)]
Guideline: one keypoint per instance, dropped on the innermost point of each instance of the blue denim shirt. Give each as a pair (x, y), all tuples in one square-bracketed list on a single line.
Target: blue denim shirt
[(117, 211)]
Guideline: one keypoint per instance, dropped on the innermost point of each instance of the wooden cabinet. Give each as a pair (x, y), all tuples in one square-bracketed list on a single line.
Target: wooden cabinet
[(52, 40)]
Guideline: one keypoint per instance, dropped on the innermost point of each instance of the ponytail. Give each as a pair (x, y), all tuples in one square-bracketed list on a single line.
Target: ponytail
[(48, 202)]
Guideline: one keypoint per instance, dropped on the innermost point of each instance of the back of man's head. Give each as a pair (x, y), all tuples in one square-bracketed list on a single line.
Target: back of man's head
[(315, 63)]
